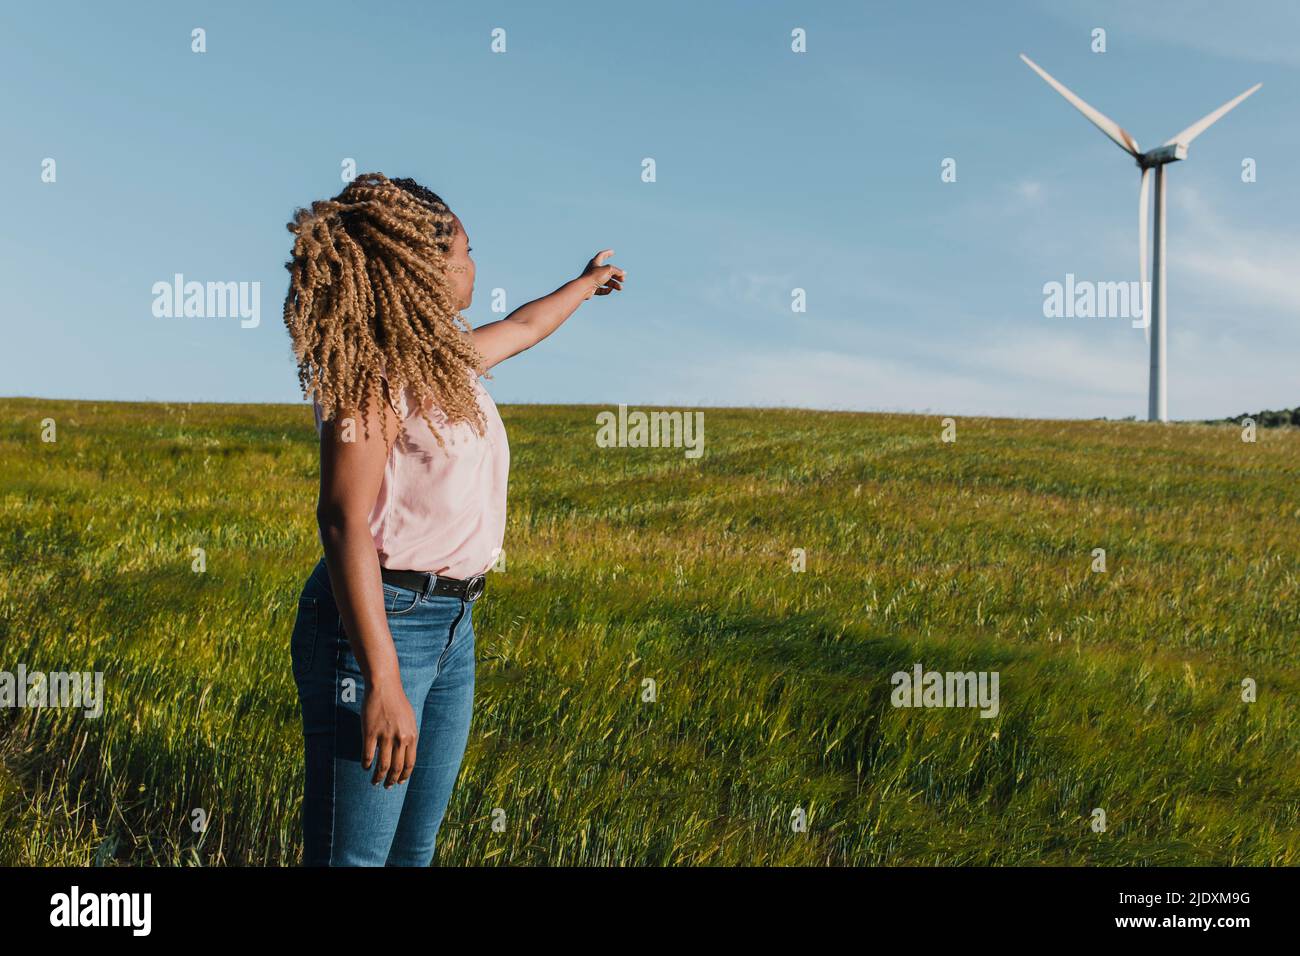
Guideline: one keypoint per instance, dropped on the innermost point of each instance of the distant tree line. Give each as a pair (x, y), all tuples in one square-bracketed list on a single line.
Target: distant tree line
[(1266, 419)]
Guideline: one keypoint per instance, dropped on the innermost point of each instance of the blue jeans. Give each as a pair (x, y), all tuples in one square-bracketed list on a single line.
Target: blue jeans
[(347, 820)]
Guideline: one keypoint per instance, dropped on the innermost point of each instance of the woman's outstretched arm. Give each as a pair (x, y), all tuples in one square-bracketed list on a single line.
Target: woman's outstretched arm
[(530, 323)]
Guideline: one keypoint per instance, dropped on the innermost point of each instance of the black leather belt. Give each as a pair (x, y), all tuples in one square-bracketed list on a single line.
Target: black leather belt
[(466, 590)]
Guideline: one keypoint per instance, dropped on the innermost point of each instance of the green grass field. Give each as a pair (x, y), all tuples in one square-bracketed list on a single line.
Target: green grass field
[(1118, 690)]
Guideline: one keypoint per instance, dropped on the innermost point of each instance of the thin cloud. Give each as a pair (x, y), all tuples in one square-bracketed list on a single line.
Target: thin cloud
[(1253, 269), (1029, 190)]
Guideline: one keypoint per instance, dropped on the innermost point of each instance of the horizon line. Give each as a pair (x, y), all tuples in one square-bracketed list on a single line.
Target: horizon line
[(654, 405)]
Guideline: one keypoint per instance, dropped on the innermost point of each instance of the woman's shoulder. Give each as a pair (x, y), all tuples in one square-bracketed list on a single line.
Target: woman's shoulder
[(399, 404), (403, 403)]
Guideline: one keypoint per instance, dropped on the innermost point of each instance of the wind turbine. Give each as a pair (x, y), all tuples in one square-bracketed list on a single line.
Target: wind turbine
[(1172, 151)]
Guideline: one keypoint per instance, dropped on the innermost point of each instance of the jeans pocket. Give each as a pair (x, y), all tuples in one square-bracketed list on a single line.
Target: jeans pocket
[(399, 601), (302, 646)]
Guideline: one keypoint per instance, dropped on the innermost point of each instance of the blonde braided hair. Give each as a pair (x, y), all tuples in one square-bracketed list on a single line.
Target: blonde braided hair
[(370, 310)]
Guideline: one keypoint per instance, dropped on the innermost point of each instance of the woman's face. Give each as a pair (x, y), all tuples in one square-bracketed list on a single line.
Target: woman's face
[(460, 267)]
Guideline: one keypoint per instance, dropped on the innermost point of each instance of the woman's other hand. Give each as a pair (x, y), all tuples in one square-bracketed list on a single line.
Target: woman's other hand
[(388, 733)]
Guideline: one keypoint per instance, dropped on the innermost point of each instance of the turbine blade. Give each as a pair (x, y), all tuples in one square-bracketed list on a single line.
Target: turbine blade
[(1099, 119), (1201, 125), (1144, 205)]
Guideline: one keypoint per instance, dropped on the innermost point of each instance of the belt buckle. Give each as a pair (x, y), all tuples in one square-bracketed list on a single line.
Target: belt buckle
[(474, 587)]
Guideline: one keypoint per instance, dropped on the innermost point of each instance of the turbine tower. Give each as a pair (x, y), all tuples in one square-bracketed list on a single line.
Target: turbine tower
[(1155, 159)]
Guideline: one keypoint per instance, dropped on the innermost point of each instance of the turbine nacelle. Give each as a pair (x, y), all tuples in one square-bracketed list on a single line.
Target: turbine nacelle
[(1170, 153)]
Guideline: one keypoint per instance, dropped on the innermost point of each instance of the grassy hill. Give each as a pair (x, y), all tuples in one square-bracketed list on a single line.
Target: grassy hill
[(1119, 691)]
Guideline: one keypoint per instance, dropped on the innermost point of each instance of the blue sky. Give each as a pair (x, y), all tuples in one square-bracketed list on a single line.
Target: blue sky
[(775, 170)]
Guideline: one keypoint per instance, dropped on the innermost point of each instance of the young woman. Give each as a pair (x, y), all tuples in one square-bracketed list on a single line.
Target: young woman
[(413, 471)]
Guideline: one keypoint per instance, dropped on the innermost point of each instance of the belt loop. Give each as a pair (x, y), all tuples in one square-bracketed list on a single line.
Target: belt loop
[(429, 586)]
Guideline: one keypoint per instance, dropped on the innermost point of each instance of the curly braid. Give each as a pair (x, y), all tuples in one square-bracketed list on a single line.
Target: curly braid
[(369, 308)]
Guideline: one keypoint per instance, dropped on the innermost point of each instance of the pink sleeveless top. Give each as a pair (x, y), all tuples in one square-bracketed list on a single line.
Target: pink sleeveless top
[(442, 510)]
